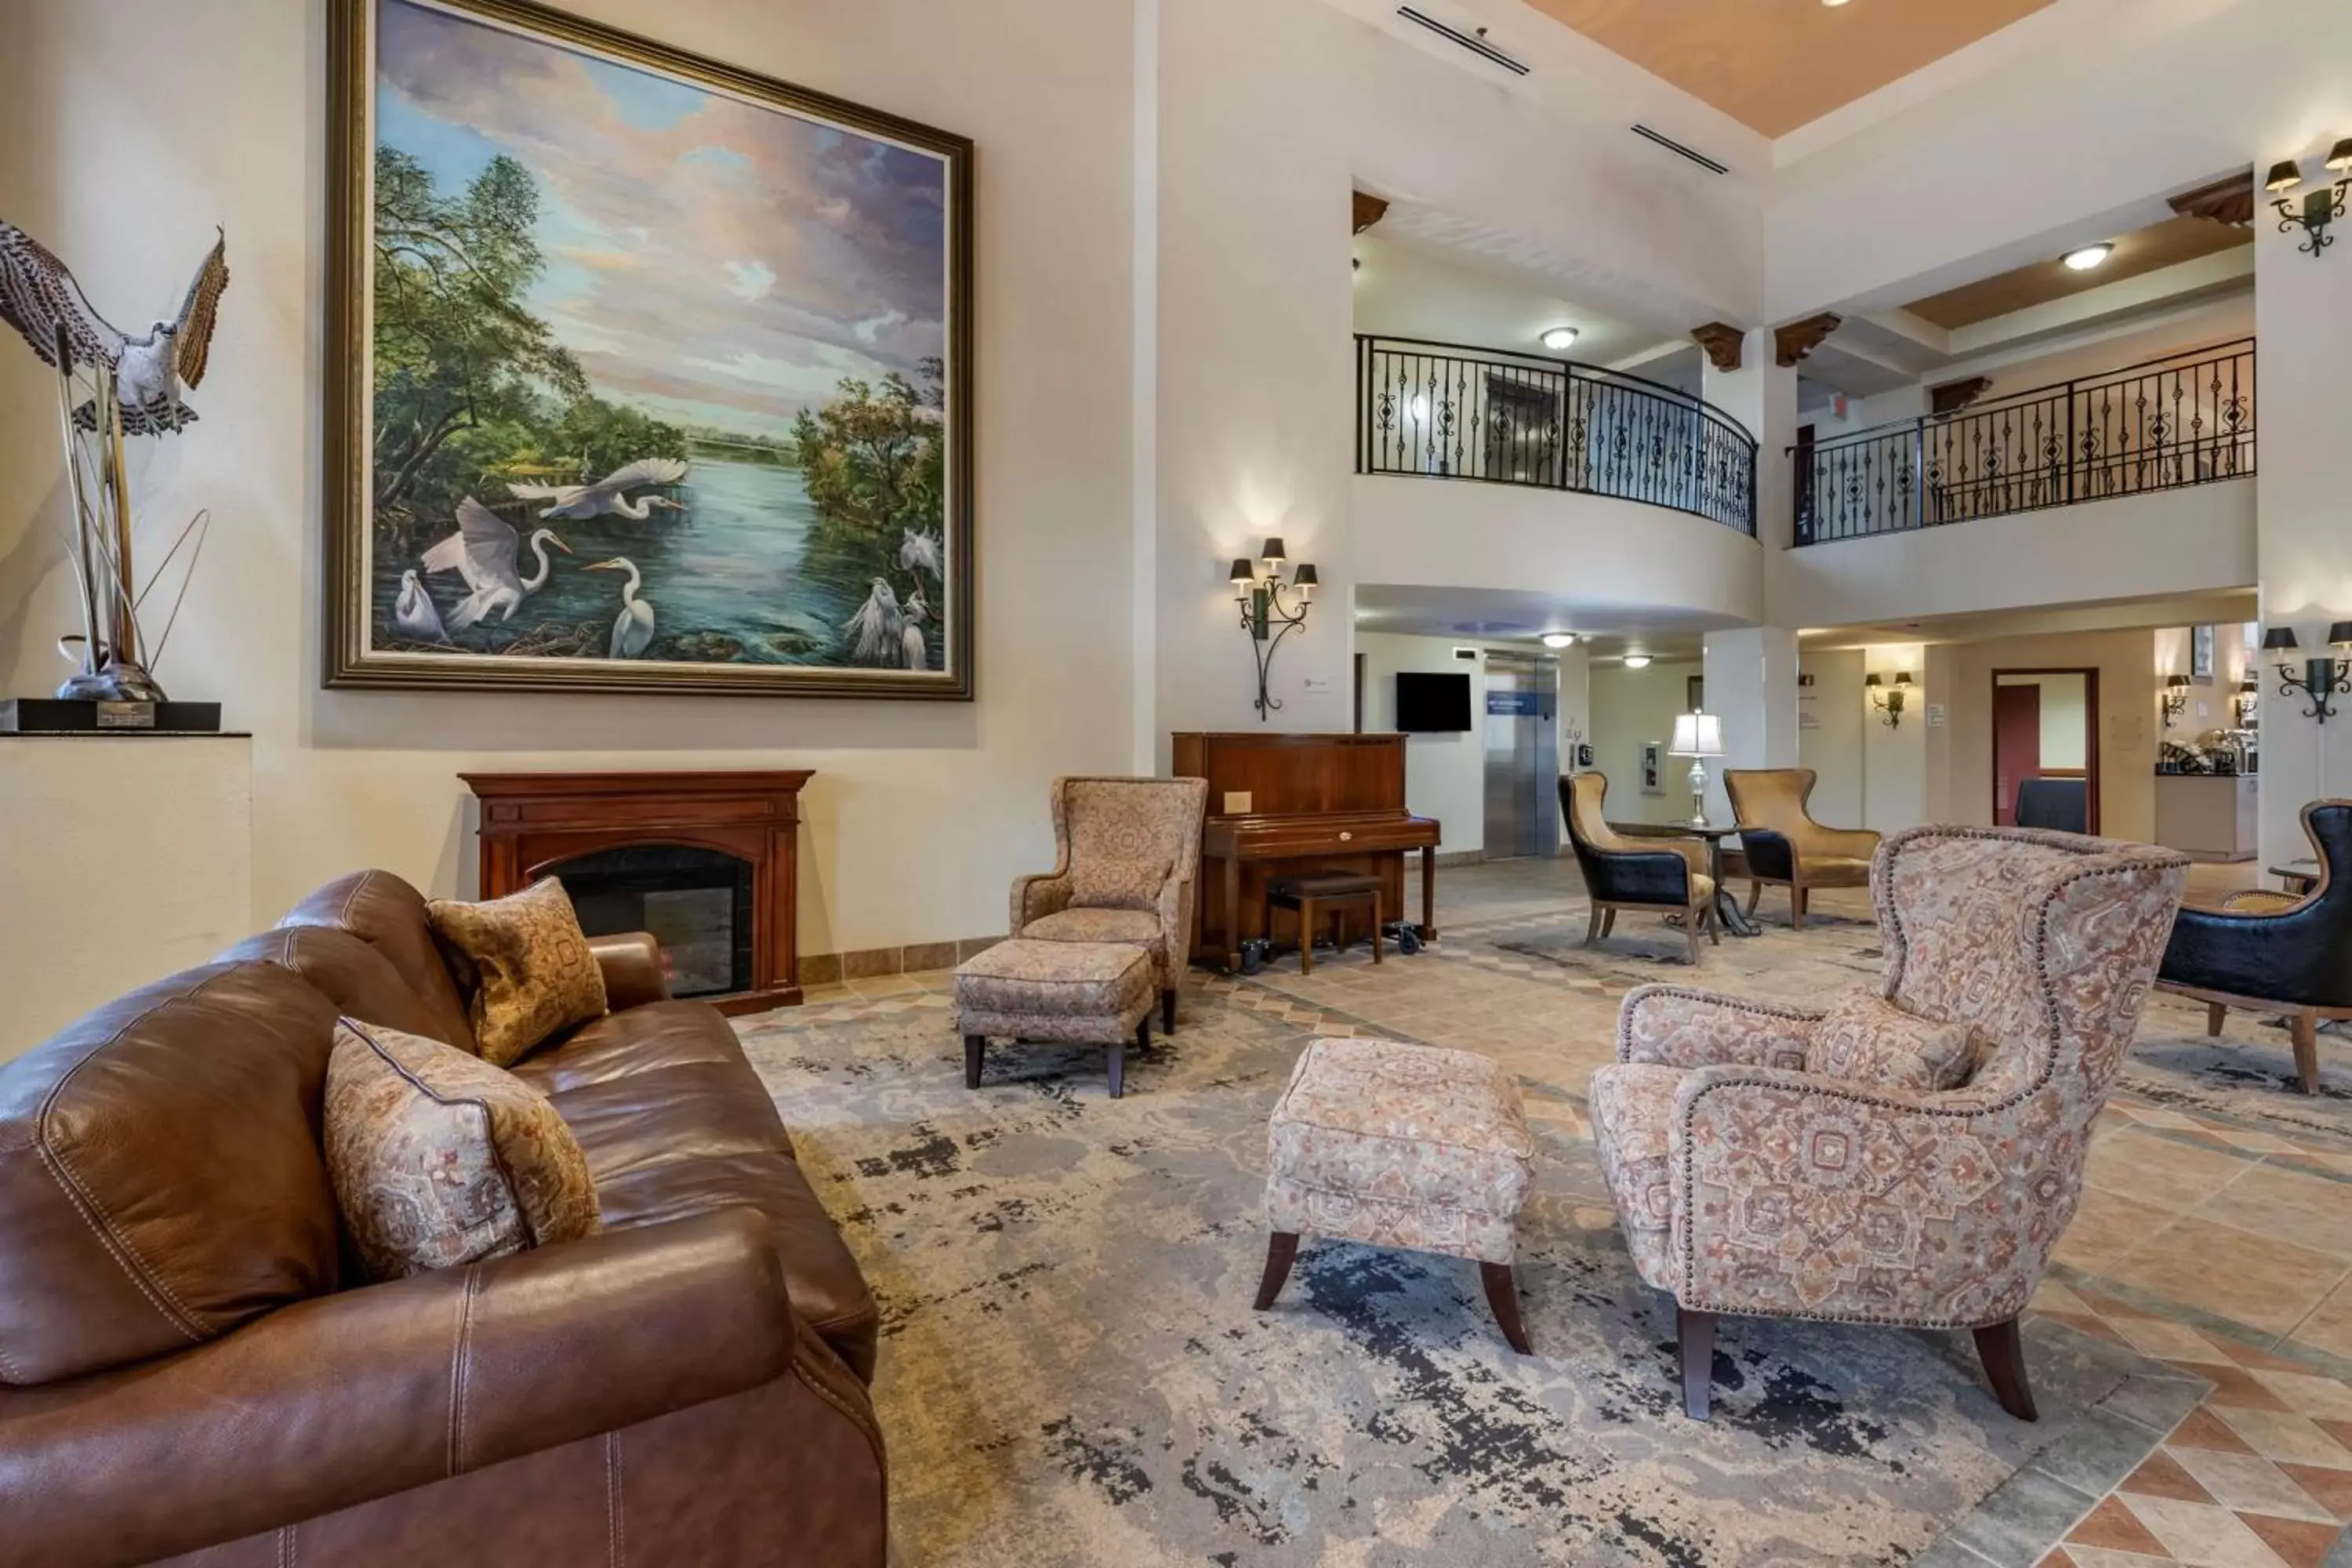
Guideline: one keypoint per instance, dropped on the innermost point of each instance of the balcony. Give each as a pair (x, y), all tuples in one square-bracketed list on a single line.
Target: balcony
[(2165, 425), (1444, 411)]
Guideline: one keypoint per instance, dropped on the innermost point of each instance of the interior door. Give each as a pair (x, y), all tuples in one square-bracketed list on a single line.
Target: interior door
[(2016, 746)]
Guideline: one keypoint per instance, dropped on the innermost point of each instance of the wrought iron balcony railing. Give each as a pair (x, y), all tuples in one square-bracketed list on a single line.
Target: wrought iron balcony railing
[(2160, 426), (1446, 411)]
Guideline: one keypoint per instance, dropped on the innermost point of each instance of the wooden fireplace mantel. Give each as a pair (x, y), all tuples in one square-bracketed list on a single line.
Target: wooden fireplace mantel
[(533, 822)]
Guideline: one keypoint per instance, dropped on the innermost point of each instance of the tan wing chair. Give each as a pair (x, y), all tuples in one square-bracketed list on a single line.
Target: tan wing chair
[(1112, 836), (1785, 846), (1625, 873), (1790, 1162)]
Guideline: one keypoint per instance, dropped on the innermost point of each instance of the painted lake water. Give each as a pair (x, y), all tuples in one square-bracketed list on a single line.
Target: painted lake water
[(734, 579)]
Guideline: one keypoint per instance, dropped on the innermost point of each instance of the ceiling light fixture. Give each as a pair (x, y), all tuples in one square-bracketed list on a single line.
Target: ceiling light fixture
[(2087, 258), (1833, 3), (1557, 338), (1560, 639), (1637, 661)]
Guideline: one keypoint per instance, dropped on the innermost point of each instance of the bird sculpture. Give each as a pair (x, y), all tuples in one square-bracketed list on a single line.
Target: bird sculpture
[(488, 552), (910, 637), (578, 502), (633, 629), (412, 614), (875, 625), (40, 298), (918, 551)]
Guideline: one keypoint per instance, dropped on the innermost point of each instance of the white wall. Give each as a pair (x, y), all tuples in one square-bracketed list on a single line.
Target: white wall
[(1445, 776), (2063, 742), (1629, 707), (188, 112), (1410, 290)]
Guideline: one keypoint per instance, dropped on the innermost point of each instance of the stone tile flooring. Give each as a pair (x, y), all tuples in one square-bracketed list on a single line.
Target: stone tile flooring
[(2219, 1244)]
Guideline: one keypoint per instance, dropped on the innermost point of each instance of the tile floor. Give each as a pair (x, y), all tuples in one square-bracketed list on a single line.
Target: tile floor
[(2219, 1247)]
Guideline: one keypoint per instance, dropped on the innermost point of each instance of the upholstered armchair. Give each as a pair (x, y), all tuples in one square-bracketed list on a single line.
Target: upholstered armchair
[(1785, 846), (1908, 1155), (1664, 875), (1126, 853), (2277, 952)]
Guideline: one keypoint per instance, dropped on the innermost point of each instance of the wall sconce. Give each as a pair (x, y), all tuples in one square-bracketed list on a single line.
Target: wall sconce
[(2319, 206), (1260, 596), (2249, 700), (2176, 698), (1889, 700), (2323, 677)]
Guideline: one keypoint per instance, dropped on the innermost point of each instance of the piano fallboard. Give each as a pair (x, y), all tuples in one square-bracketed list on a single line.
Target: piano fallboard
[(1276, 837)]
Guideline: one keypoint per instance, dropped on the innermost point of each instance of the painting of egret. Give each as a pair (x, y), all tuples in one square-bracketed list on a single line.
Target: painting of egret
[(649, 375)]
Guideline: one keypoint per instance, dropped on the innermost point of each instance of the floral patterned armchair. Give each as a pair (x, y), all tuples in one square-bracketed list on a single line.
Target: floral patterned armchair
[(1771, 1159), (1128, 852)]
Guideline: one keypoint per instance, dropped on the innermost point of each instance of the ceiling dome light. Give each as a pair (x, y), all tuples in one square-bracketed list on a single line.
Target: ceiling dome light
[(1832, 3), (1637, 661), (2090, 256), (1558, 337), (1560, 639)]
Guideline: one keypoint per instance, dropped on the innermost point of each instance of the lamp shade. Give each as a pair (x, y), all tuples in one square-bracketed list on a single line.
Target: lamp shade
[(2283, 176), (1871, 680), (2340, 633), (2250, 685), (2339, 157), (1271, 553), (2278, 638), (2176, 681), (1305, 577), (1696, 735), (1901, 678), (1243, 576)]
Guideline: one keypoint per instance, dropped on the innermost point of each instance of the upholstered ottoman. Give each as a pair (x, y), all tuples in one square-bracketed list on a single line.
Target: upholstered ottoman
[(1400, 1145), (1088, 992)]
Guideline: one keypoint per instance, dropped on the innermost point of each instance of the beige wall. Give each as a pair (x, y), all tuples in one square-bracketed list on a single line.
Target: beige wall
[(1633, 706), (188, 112), (1828, 733), (1959, 751)]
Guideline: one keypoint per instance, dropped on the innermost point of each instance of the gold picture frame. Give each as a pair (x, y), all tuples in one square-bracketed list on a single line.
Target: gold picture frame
[(718, 617)]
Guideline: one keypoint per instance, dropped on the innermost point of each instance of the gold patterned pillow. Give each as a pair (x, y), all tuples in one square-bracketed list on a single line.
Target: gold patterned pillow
[(1867, 1040), (533, 971), (439, 1159), (1099, 884)]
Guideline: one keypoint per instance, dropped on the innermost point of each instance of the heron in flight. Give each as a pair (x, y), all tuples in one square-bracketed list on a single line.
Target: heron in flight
[(876, 626), (487, 550), (580, 502), (412, 614), (633, 629), (918, 551), (39, 298)]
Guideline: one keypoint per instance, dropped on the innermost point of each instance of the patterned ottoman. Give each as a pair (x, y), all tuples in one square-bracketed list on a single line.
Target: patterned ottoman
[(1400, 1146), (1092, 992)]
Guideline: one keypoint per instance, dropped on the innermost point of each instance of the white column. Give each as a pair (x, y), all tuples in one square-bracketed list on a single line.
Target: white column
[(1751, 686), (1763, 397), (2303, 548)]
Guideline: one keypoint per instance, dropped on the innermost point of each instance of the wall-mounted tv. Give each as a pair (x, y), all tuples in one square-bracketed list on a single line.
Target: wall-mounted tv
[(1432, 703)]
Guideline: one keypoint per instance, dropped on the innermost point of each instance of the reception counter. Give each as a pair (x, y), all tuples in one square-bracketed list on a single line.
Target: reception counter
[(2210, 816)]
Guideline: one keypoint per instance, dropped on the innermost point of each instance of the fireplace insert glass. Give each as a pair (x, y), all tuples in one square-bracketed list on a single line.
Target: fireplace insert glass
[(696, 902)]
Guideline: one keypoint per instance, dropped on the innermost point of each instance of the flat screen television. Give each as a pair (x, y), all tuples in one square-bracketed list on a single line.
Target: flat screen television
[(1432, 703)]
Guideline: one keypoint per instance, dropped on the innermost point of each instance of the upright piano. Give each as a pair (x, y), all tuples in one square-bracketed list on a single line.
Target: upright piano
[(1281, 805)]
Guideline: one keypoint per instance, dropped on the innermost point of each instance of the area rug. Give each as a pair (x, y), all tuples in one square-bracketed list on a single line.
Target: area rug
[(1071, 1372)]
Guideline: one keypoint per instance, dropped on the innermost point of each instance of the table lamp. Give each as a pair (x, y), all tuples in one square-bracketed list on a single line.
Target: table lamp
[(1697, 736)]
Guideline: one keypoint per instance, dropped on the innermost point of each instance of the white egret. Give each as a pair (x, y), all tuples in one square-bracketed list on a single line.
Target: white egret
[(918, 551), (412, 614), (633, 629), (578, 502), (876, 626), (910, 638), (40, 298), (485, 550)]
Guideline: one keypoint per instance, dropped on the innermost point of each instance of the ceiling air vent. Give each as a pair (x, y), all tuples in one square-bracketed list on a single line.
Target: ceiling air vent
[(1474, 42), (1678, 150)]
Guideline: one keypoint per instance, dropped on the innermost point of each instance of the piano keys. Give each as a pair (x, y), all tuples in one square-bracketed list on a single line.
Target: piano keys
[(1285, 805)]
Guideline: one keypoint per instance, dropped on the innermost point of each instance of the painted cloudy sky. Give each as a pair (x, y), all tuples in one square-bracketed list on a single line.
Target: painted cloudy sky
[(709, 260)]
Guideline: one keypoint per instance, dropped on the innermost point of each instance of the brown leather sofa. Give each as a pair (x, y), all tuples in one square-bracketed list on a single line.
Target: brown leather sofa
[(191, 1372)]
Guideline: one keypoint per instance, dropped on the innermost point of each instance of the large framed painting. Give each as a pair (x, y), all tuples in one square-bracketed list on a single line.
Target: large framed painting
[(647, 373)]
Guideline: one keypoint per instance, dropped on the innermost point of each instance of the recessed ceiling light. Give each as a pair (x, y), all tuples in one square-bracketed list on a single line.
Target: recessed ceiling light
[(1637, 661), (1558, 337), (1560, 639), (2090, 256), (1832, 3)]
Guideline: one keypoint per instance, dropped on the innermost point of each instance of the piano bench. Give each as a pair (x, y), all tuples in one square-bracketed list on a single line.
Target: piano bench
[(1313, 892)]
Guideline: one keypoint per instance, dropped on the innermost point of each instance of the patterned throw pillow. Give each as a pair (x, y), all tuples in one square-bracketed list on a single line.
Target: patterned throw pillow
[(1868, 1040), (1097, 884), (439, 1159), (533, 971)]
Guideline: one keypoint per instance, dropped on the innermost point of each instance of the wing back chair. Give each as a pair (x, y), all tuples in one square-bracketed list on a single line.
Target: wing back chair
[(1127, 855), (2275, 953), (1908, 1157), (1623, 873), (1785, 846)]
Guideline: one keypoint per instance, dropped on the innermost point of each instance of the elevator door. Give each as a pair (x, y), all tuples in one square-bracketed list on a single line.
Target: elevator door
[(1522, 756)]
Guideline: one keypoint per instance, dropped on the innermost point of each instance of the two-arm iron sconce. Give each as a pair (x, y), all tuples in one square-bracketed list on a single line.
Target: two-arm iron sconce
[(2323, 676), (2318, 207), (1889, 700), (1264, 614), (2176, 698)]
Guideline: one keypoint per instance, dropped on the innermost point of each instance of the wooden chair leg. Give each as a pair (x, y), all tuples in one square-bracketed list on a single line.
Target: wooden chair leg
[(974, 1047), (1691, 923), (1118, 1056), (1306, 936), (1754, 891), (1696, 1334), (1376, 925), (1796, 907), (2002, 1351), (1281, 1249), (1503, 1297), (1168, 1010), (2214, 1014), (1592, 927), (2305, 1029), (1608, 919)]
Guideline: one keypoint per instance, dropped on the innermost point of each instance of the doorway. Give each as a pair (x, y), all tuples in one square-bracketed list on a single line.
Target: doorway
[(2046, 735), (1522, 712)]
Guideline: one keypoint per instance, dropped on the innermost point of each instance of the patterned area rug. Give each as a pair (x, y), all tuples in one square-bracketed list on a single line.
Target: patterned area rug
[(1072, 1375)]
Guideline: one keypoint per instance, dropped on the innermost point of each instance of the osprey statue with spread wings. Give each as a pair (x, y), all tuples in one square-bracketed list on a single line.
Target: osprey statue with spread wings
[(40, 298)]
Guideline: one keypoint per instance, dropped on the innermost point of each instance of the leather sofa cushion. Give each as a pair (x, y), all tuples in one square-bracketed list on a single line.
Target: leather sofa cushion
[(353, 975), (389, 915), (161, 1180), (674, 1123)]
